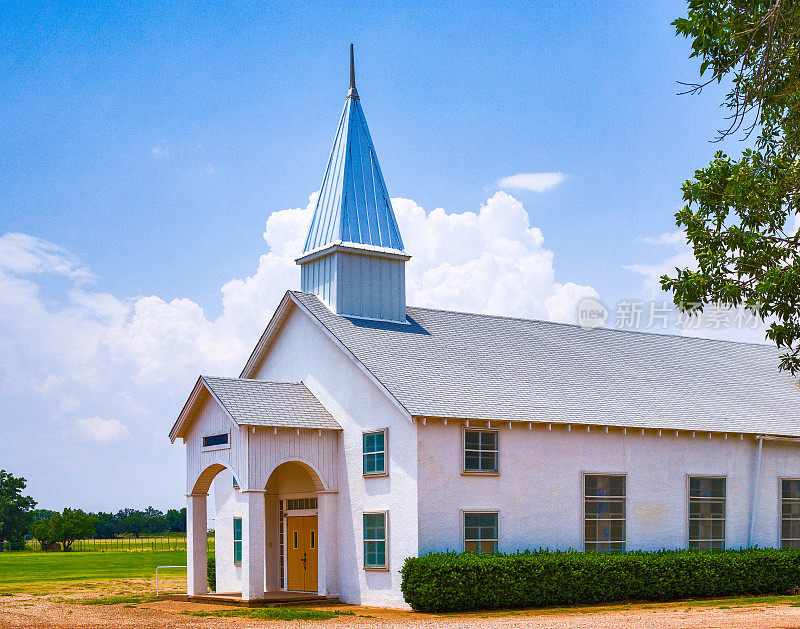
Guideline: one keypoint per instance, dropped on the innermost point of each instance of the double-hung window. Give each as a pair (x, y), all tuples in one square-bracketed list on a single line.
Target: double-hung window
[(480, 532), (707, 512), (604, 512), (480, 451), (375, 452), (237, 540), (375, 540), (790, 513)]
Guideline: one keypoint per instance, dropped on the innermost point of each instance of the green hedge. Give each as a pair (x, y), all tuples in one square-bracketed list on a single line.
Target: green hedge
[(211, 573), (446, 582)]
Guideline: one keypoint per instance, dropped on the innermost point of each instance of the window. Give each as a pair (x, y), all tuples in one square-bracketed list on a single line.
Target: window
[(604, 513), (707, 513), (375, 540), (480, 532), (295, 504), (790, 513), (215, 440), (235, 483), (375, 452), (480, 451), (237, 540)]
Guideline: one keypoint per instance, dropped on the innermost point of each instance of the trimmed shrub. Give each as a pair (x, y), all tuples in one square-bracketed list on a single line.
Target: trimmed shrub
[(448, 582), (211, 573)]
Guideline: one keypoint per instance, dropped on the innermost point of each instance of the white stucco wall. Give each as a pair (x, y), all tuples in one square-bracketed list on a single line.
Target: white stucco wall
[(302, 352), (539, 492)]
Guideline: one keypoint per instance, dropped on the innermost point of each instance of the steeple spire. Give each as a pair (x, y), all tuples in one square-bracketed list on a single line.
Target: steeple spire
[(353, 91), (353, 256)]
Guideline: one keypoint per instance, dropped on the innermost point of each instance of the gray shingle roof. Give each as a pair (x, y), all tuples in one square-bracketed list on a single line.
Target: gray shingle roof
[(263, 403), (458, 365)]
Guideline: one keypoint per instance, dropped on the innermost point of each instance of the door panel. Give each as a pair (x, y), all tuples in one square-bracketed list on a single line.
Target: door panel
[(301, 553), (311, 553)]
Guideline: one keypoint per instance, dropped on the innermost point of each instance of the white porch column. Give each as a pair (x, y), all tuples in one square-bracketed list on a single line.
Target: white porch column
[(327, 545), (196, 545), (253, 542)]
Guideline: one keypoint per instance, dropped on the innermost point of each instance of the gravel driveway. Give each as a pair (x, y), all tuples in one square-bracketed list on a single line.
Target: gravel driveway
[(52, 612)]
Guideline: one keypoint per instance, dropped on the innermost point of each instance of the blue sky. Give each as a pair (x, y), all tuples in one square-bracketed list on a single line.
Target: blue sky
[(144, 150)]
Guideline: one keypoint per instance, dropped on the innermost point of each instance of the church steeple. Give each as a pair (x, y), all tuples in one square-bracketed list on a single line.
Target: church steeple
[(353, 256)]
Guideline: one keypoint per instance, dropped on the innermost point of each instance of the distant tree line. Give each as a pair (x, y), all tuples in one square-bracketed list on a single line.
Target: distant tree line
[(19, 520)]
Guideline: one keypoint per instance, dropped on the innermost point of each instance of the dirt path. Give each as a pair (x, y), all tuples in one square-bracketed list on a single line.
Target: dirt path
[(53, 612)]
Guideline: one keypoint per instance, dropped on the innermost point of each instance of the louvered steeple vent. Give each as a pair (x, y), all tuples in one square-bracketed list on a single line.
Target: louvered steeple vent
[(353, 257)]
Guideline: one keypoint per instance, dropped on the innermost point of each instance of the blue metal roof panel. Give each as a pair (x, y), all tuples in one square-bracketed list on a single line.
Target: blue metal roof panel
[(353, 204)]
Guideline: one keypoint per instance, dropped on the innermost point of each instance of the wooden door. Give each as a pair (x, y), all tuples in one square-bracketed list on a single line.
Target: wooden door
[(301, 553)]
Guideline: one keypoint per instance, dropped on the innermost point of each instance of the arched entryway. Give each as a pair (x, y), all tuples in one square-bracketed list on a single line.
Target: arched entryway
[(300, 514), (197, 531)]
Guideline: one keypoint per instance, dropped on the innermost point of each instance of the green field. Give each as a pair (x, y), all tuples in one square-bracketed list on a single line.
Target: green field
[(49, 572)]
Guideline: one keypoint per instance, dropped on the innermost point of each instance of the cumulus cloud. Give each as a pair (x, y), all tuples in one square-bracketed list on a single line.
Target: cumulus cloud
[(537, 182), (102, 430), (118, 369)]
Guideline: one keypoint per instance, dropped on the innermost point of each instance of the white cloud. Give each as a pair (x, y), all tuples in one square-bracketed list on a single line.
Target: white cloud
[(70, 363), (538, 182), (710, 324), (102, 430)]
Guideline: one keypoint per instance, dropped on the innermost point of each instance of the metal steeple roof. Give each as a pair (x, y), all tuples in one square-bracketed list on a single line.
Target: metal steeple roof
[(353, 205)]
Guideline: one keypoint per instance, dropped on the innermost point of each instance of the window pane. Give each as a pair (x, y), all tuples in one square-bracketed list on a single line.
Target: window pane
[(374, 554), (237, 552), (488, 461), (472, 461), (237, 528), (472, 440), (790, 488), (488, 547), (488, 440), (703, 487), (480, 532), (215, 440), (374, 526), (373, 463)]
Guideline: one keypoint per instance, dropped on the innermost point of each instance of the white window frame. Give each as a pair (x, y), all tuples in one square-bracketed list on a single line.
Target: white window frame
[(464, 539), (220, 446), (385, 471), (464, 470), (583, 507), (385, 540), (780, 510), (689, 518)]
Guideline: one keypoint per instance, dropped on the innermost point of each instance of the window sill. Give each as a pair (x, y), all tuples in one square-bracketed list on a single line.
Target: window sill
[(237, 564), (465, 473), (376, 475), (375, 569)]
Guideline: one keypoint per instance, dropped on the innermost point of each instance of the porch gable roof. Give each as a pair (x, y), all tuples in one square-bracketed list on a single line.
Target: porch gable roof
[(251, 402)]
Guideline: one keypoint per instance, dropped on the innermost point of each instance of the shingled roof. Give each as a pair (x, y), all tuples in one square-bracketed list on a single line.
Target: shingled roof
[(458, 365)]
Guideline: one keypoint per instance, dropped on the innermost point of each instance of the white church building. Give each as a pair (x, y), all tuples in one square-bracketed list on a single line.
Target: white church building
[(363, 431)]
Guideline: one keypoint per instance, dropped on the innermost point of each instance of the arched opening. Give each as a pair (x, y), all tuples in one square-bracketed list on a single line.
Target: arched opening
[(197, 527), (293, 527)]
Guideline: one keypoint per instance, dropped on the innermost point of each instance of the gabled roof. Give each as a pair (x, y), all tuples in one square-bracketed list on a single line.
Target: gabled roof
[(353, 205), (471, 366), (258, 403)]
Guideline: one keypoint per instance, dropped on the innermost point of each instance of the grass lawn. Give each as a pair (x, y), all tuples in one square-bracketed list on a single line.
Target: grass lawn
[(32, 572)]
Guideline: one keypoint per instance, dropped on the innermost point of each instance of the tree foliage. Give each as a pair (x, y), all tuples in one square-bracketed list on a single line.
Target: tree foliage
[(63, 528), (742, 215), (15, 509)]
